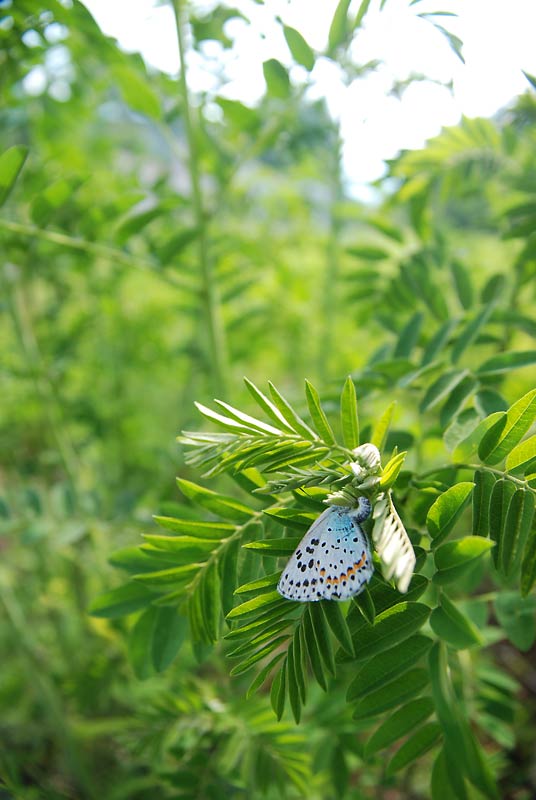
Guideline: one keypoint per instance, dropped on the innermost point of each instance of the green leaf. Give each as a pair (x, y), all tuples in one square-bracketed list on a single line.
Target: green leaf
[(137, 91), (277, 693), (261, 601), (267, 632), (349, 418), (454, 559), (447, 509), (291, 518), (140, 643), (531, 79), (469, 446), (276, 77), (484, 483), (364, 602), (528, 565), (169, 632), (498, 442), (267, 406), (379, 432), (338, 30), (392, 626), (337, 623), (409, 336), (11, 163), (516, 615), (136, 559), (387, 666), (506, 362), (259, 655), (460, 429), (363, 8), (299, 663), (441, 388), (301, 52), (442, 692), (443, 777), (392, 695), (470, 332), (229, 574), (201, 530), (457, 399), (122, 601), (523, 457), (172, 575), (211, 600), (295, 422), (368, 252), (400, 723), (317, 414), (518, 524), (261, 676), (264, 620), (453, 627), (462, 282), (259, 585), (313, 649), (275, 547), (292, 684), (501, 497), (320, 625), (226, 507), (185, 547), (437, 342), (488, 401), (414, 747), (391, 470), (244, 419)]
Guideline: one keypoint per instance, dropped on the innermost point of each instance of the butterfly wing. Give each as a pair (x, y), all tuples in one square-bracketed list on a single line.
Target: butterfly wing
[(332, 561)]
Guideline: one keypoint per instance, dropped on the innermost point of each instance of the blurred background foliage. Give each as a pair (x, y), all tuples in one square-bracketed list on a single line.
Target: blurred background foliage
[(155, 248)]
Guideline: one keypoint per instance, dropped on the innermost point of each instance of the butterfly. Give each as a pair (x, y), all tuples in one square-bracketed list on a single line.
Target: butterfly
[(333, 560)]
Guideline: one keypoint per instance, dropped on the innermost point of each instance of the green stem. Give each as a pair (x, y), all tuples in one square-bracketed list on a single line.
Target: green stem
[(331, 274), (216, 337), (501, 473), (93, 248)]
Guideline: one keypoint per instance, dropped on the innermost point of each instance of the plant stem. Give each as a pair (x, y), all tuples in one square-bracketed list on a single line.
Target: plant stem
[(499, 472), (112, 254), (332, 270), (216, 337)]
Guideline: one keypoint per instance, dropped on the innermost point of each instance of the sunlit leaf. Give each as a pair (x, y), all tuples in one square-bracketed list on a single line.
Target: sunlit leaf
[(301, 52), (447, 509), (453, 627), (414, 747), (11, 163), (400, 723)]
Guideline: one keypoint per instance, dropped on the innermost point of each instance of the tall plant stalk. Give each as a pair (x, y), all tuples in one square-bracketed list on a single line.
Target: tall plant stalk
[(331, 272), (211, 301)]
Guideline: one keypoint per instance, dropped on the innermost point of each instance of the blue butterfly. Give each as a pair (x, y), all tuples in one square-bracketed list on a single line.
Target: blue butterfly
[(333, 560)]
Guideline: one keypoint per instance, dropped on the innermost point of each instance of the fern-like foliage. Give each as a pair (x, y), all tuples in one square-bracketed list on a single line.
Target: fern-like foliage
[(397, 654)]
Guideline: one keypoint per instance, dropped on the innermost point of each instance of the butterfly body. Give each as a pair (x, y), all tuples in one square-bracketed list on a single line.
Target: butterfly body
[(333, 560)]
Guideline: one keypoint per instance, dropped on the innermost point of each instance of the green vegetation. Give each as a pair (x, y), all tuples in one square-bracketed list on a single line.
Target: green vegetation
[(156, 247)]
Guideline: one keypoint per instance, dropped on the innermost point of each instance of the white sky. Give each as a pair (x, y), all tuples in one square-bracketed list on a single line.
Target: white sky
[(499, 41)]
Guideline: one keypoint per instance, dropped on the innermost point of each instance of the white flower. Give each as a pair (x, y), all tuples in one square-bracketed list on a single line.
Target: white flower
[(367, 456), (392, 543)]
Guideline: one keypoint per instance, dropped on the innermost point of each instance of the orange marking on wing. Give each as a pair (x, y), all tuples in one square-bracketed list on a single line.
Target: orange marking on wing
[(332, 580), (362, 561), (322, 572)]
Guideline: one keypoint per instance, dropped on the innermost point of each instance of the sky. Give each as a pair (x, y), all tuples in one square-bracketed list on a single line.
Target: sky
[(498, 37)]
